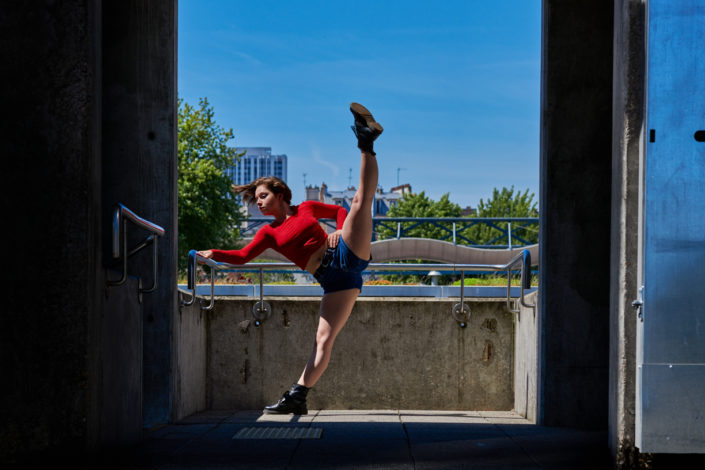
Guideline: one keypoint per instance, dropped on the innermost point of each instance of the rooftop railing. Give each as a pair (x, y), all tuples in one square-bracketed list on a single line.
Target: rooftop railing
[(510, 230), (460, 311)]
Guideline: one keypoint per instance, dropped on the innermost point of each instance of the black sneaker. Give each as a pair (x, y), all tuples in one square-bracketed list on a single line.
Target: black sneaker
[(366, 129), (287, 405), (363, 118), (293, 401)]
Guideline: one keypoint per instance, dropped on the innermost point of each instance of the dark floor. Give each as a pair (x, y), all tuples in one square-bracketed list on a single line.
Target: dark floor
[(384, 439)]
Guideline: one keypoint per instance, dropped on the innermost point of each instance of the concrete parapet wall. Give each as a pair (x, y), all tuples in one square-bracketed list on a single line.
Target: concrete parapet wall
[(393, 353), (526, 359)]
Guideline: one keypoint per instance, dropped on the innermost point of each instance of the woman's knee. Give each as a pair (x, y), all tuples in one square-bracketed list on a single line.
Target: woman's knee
[(324, 341), (363, 200)]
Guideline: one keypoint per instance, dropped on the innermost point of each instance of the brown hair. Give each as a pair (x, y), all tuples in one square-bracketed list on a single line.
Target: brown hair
[(274, 184)]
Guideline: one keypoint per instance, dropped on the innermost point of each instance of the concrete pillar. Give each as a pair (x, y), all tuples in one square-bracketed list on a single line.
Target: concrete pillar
[(627, 121), (575, 168), (89, 96), (139, 165), (50, 204)]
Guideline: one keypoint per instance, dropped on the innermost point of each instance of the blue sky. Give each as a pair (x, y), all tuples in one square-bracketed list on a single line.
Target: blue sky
[(454, 83)]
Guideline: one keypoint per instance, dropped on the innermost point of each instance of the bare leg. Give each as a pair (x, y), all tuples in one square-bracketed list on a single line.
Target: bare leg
[(357, 228), (357, 233), (335, 311)]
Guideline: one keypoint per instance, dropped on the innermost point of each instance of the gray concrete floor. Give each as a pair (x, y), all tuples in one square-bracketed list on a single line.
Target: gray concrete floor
[(384, 439)]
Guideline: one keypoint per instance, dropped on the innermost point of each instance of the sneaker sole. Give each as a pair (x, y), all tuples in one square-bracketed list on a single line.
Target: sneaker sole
[(365, 115), (268, 412)]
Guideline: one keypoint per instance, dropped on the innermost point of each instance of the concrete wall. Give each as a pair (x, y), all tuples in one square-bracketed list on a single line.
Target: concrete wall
[(392, 353), (90, 98), (575, 196), (120, 405), (190, 361), (139, 164), (628, 120), (237, 340), (526, 348), (51, 210)]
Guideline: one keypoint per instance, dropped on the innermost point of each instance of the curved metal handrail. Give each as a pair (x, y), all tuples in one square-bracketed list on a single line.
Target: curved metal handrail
[(524, 257), (119, 250)]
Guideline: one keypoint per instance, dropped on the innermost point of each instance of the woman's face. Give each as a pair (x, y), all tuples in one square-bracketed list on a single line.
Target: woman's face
[(267, 202)]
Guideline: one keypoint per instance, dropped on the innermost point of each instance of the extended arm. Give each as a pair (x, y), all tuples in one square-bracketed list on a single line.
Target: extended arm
[(245, 254)]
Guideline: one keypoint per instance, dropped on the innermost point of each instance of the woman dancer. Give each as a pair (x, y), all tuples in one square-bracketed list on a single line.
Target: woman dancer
[(336, 260)]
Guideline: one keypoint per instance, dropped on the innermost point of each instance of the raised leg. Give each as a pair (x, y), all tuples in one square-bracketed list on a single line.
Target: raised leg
[(357, 233), (335, 311), (357, 228)]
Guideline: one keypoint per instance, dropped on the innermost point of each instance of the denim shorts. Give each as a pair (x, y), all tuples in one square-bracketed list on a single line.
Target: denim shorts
[(340, 269)]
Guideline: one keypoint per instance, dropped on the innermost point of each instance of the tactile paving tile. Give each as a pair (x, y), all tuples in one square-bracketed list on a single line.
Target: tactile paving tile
[(269, 432)]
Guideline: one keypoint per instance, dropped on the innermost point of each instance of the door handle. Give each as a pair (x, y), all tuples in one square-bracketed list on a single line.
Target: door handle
[(700, 136)]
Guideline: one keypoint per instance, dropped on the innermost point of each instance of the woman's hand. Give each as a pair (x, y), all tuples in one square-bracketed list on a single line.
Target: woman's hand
[(205, 254), (334, 238)]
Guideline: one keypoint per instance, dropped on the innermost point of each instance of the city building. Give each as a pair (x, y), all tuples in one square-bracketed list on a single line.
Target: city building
[(383, 201), (256, 163), (468, 212)]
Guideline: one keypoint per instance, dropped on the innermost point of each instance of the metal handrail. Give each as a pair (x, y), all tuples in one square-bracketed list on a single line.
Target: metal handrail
[(119, 250), (524, 257)]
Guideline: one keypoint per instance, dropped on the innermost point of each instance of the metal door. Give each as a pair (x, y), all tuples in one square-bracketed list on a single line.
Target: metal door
[(670, 414)]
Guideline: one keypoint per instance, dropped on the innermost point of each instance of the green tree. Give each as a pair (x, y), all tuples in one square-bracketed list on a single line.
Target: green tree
[(505, 203), (420, 205), (209, 213)]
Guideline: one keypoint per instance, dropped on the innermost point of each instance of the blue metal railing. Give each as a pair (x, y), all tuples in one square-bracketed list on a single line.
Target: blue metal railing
[(510, 229)]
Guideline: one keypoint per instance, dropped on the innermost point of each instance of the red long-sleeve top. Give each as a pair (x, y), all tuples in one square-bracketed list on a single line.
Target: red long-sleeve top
[(297, 238)]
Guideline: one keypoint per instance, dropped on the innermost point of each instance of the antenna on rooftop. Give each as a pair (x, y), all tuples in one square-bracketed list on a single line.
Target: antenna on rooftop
[(398, 170), (304, 180), (349, 177)]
